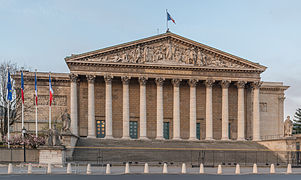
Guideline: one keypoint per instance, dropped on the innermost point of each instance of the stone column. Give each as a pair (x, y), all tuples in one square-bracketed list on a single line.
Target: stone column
[(256, 112), (240, 110), (126, 107), (176, 109), (73, 104), (91, 107), (225, 110), (143, 124), (159, 82), (192, 113), (209, 121), (109, 132)]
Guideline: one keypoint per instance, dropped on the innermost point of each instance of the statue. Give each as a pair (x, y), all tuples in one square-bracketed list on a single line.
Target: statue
[(53, 137), (66, 121), (288, 127)]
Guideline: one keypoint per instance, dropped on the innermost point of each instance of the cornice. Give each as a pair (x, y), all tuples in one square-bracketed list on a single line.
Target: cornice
[(158, 66)]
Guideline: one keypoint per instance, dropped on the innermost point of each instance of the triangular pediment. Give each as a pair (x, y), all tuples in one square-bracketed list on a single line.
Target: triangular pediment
[(166, 49)]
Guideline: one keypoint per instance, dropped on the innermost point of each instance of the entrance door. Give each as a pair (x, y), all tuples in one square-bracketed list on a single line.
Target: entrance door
[(166, 130), (229, 130), (100, 129), (198, 131), (133, 129)]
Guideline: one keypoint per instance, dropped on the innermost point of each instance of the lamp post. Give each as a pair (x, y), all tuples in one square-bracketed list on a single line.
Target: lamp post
[(24, 147)]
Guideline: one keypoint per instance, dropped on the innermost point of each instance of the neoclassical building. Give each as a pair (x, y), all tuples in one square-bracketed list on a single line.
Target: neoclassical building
[(162, 87)]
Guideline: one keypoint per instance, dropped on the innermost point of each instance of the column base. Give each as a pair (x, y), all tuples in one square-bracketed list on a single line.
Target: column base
[(256, 139), (240, 139), (108, 137), (143, 138), (176, 138), (225, 139), (209, 139), (192, 139), (89, 136), (126, 138), (160, 138)]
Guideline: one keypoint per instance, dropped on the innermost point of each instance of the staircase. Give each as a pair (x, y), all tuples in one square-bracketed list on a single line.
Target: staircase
[(210, 153)]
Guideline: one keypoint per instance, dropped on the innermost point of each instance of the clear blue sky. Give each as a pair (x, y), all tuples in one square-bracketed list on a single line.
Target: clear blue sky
[(40, 33)]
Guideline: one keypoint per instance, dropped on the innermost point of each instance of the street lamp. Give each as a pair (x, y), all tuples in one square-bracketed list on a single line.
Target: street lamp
[(24, 147)]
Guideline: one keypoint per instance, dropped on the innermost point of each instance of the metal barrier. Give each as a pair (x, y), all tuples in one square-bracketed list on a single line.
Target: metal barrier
[(193, 156)]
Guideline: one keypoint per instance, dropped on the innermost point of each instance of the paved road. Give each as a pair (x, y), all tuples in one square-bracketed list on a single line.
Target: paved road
[(151, 177)]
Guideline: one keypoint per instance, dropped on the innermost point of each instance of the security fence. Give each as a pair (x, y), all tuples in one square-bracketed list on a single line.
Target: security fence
[(191, 156)]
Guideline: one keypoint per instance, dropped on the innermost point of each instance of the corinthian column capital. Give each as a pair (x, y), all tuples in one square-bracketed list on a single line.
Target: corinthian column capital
[(225, 83), (108, 78), (125, 79), (142, 80), (91, 78), (256, 84), (240, 84), (73, 77), (209, 82), (192, 82), (176, 82), (159, 81)]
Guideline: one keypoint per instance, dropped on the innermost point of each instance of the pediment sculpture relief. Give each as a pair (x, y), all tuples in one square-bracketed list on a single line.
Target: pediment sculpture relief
[(168, 53)]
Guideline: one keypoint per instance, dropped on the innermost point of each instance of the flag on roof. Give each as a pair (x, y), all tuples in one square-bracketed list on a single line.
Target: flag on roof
[(169, 18)]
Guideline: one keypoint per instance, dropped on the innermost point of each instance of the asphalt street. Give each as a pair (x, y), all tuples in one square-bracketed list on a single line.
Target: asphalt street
[(152, 177)]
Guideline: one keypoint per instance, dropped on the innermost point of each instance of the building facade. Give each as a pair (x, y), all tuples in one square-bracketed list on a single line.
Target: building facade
[(162, 87)]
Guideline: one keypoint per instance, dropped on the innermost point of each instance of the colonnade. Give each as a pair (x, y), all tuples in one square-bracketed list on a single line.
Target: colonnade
[(176, 108)]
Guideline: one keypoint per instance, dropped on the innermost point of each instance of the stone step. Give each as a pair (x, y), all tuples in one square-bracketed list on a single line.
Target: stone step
[(210, 153)]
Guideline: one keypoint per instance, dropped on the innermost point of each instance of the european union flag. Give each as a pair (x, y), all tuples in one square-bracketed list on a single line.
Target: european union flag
[(9, 88)]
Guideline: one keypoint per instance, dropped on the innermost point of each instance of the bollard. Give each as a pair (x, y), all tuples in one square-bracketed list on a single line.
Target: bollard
[(255, 169), (69, 169), (127, 168), (183, 168), (108, 169), (219, 169), (272, 170), (10, 169), (202, 168), (289, 169), (237, 169), (146, 169), (29, 170), (89, 169), (165, 171), (49, 168)]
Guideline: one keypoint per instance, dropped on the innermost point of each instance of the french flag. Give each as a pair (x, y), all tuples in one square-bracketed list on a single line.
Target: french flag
[(169, 18), (50, 91), (22, 87), (36, 88)]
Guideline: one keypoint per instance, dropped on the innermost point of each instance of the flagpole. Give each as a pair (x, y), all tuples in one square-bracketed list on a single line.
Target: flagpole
[(22, 106), (36, 104), (166, 21), (8, 145), (49, 104)]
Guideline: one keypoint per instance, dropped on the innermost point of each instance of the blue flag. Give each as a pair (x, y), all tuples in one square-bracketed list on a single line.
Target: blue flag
[(9, 88)]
